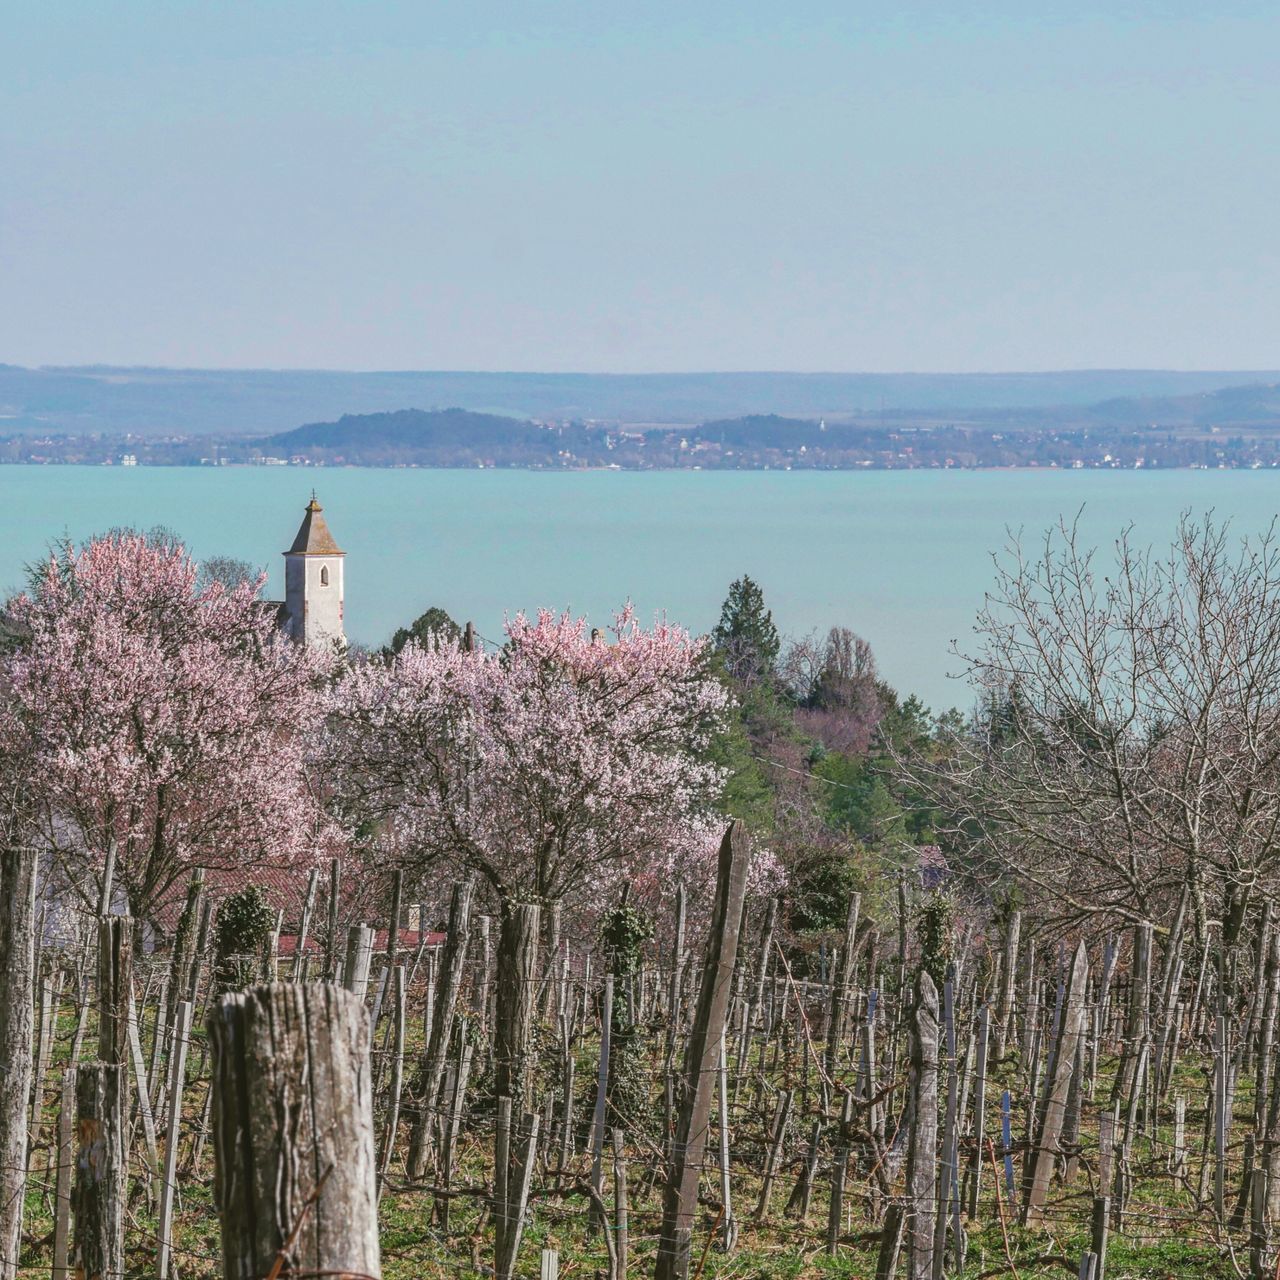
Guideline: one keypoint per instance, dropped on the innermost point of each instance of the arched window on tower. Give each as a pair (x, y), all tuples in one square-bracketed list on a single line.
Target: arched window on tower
[(324, 575)]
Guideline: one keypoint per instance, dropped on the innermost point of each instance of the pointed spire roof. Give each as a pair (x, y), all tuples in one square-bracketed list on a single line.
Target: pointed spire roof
[(314, 538)]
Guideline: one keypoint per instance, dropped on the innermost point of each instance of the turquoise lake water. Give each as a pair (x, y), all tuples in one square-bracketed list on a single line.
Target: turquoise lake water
[(901, 557)]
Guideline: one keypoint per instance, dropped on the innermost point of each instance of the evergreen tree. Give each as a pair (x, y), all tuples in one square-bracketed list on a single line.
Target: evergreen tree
[(745, 636), (427, 629)]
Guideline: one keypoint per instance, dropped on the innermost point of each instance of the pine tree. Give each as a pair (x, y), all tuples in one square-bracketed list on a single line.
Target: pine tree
[(745, 635)]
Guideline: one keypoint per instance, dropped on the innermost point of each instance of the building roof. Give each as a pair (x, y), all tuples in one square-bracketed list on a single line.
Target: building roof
[(314, 538), (409, 940)]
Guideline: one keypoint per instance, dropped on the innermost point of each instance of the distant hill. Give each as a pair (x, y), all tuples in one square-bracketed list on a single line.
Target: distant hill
[(260, 402), (409, 430), (1250, 405)]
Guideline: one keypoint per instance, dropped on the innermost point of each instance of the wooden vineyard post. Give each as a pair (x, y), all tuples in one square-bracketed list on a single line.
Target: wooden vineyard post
[(979, 1112), (680, 1196), (49, 992), (98, 1200), (780, 1120), (173, 1129), (1008, 983), (295, 1175), (729, 1223), (922, 1143), (393, 945), (621, 1211), (835, 1206), (948, 1183), (185, 955), (304, 927), (355, 970), (448, 985), (17, 978), (397, 1075), (1044, 1154), (65, 1172), (115, 983), (840, 984), (331, 921), (599, 1117)]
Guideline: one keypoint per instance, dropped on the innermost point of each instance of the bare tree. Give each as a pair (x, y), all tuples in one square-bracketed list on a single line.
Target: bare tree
[(834, 682), (1125, 744)]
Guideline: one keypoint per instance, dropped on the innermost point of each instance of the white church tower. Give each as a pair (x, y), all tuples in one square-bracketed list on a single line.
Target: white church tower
[(313, 583)]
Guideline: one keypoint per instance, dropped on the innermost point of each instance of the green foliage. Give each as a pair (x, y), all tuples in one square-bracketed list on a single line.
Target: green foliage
[(243, 925), (623, 933), (427, 629), (935, 929), (858, 800), (821, 882), (745, 636)]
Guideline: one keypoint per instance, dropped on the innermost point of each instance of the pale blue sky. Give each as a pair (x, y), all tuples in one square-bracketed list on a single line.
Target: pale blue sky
[(666, 186)]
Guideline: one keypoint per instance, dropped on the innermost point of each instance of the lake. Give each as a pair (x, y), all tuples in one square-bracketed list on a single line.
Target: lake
[(901, 557)]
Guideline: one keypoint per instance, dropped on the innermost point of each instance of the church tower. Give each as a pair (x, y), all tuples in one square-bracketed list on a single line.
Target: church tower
[(313, 583)]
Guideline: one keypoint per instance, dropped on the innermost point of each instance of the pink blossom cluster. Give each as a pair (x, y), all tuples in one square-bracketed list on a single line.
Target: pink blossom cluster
[(558, 765), (162, 720), (690, 860)]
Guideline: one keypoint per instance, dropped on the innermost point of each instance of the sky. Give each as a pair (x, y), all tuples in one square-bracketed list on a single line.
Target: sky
[(666, 186)]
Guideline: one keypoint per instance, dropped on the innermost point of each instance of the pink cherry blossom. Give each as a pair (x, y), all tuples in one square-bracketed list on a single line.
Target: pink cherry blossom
[(162, 718), (559, 764)]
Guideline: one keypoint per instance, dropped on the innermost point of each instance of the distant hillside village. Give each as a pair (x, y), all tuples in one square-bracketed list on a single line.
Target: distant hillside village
[(1233, 428)]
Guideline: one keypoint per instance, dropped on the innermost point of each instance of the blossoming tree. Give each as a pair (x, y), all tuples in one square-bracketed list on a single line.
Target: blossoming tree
[(561, 763), (158, 722)]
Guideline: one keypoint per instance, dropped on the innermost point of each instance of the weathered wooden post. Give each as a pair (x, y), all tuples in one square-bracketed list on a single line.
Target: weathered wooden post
[(621, 1210), (65, 1172), (1008, 983), (780, 1119), (1049, 1121), (979, 1111), (98, 1200), (355, 969), (397, 1074), (185, 955), (922, 1143), (331, 921), (948, 1164), (304, 926), (599, 1118), (169, 1184), (835, 1205), (448, 986), (115, 986), (680, 1196), (840, 984), (295, 1174), (17, 979)]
